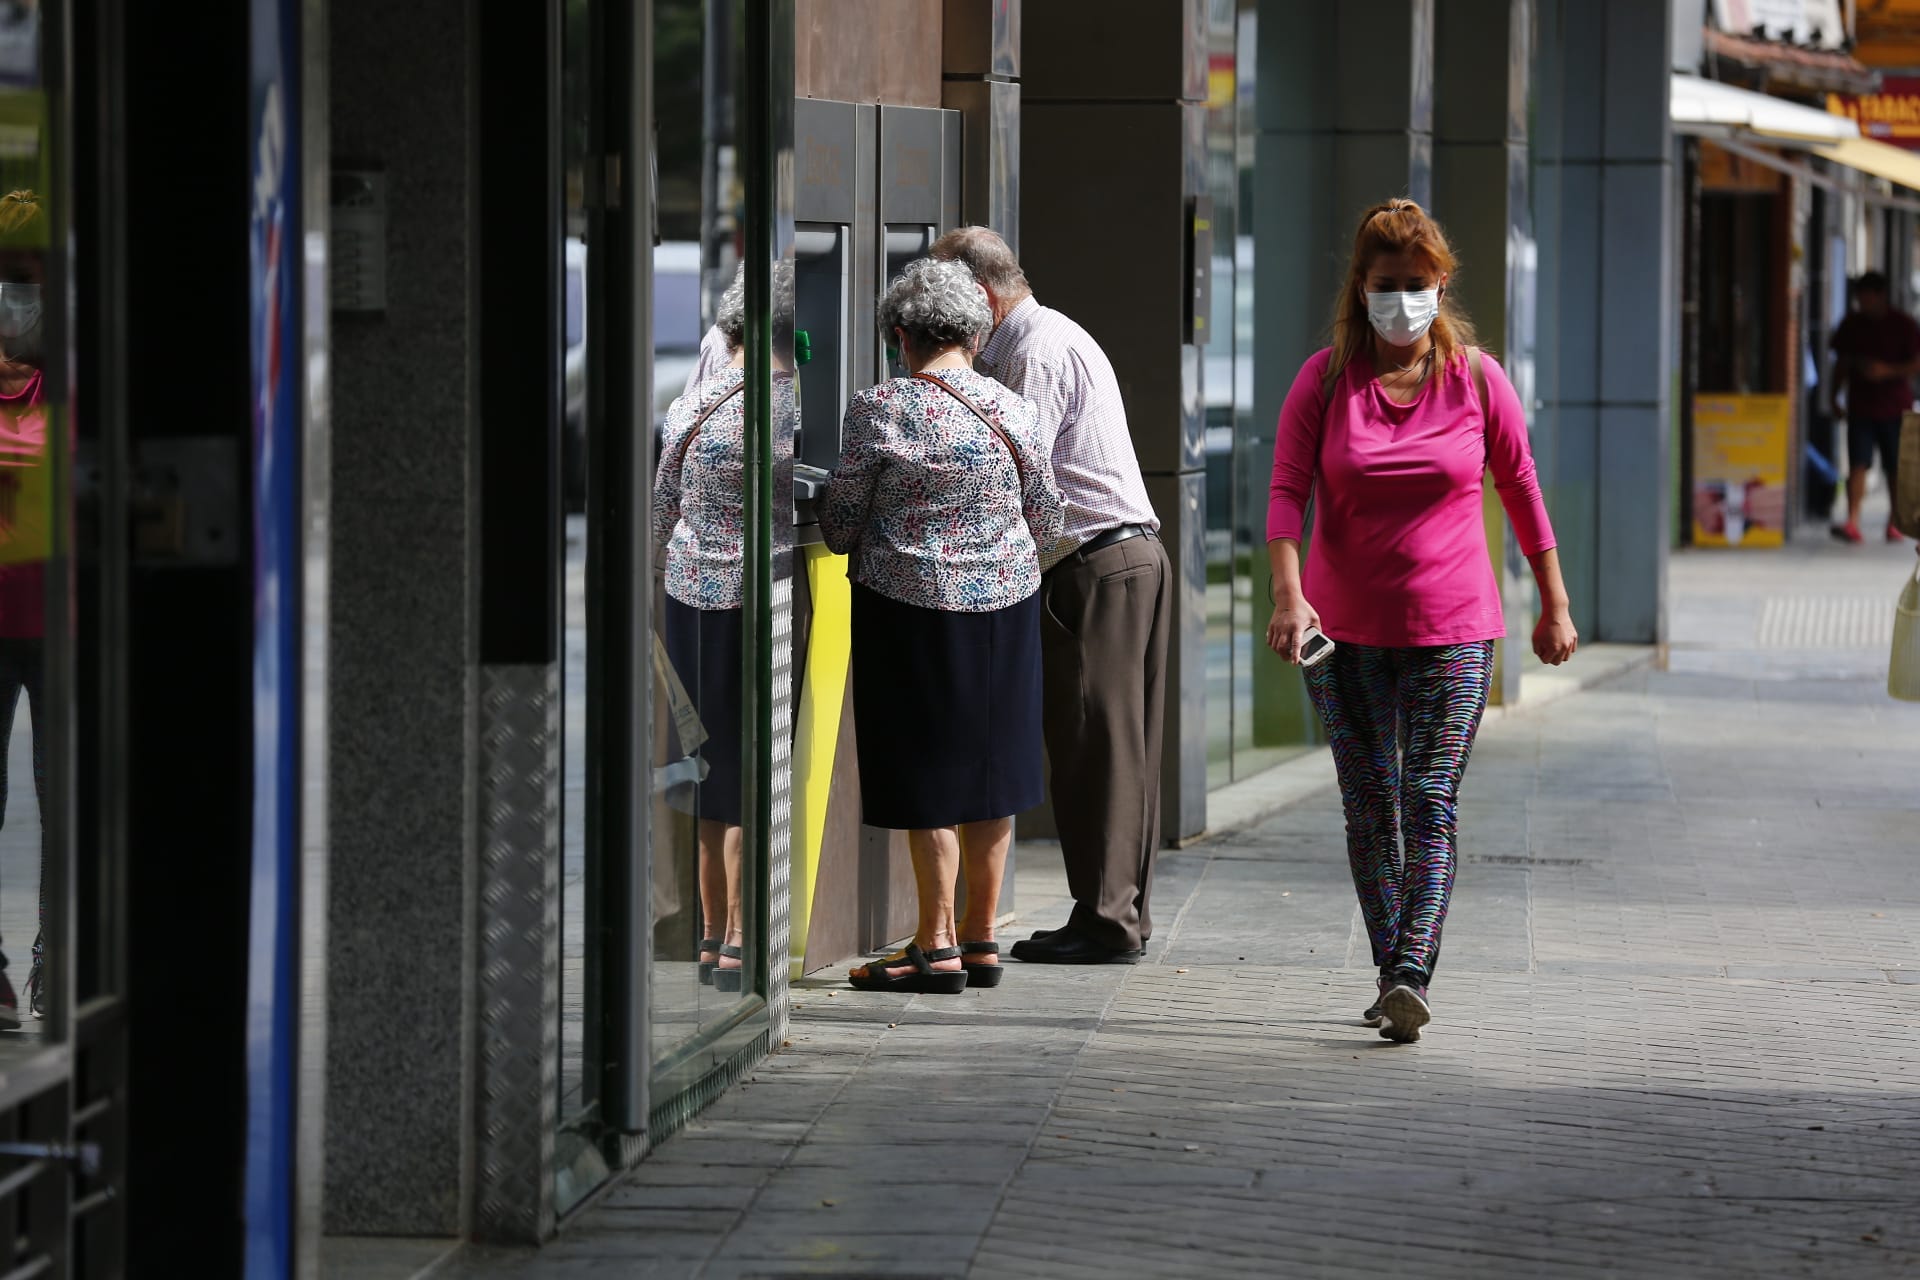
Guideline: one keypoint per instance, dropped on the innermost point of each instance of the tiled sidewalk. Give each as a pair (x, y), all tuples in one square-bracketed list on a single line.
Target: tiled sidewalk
[(1677, 1032)]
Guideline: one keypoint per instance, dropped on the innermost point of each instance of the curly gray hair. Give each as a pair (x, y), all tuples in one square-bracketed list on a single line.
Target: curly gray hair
[(731, 319), (938, 304)]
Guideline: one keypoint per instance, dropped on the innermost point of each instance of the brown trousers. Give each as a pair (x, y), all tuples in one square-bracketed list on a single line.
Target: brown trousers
[(1103, 641)]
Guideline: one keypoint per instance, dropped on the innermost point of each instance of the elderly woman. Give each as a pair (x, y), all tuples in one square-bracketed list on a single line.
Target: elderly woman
[(698, 514), (943, 498)]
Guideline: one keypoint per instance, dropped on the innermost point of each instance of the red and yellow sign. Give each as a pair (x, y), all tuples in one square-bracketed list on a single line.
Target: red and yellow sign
[(1891, 116), (1220, 81)]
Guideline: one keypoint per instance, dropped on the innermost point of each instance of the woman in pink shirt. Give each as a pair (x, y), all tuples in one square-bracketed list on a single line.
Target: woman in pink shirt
[(1390, 432)]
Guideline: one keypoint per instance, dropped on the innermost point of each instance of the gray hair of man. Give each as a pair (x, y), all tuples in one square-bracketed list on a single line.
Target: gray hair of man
[(936, 304), (731, 319), (992, 262)]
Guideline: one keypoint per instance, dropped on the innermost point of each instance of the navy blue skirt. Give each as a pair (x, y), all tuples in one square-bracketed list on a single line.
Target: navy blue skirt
[(946, 711), (704, 647)]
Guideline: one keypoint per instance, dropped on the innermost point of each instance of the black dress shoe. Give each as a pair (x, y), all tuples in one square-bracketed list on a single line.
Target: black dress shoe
[(1038, 934), (1065, 946)]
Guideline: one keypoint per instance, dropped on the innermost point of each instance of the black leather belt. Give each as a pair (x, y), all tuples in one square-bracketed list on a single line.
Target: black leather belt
[(1101, 541)]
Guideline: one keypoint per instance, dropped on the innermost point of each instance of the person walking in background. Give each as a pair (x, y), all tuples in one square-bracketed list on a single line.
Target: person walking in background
[(942, 500), (1876, 353), (1389, 433), (1107, 602)]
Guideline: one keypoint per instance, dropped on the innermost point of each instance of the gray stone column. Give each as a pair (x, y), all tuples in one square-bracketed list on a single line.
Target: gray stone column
[(400, 1062), (1113, 151), (1344, 104), (980, 59), (1483, 63), (1607, 252)]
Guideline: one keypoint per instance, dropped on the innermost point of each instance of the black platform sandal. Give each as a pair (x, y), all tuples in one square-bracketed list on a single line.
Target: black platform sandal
[(729, 979), (923, 980), (982, 975), (707, 966)]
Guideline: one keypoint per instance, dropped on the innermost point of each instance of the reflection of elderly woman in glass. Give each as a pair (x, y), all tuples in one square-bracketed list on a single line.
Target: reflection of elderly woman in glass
[(25, 532), (942, 499), (698, 515)]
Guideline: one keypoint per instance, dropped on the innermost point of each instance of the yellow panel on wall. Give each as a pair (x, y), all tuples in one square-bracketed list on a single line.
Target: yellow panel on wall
[(823, 690)]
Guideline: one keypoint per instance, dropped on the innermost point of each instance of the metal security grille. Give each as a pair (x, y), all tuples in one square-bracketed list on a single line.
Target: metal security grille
[(1826, 622), (780, 837), (100, 1123), (37, 1167)]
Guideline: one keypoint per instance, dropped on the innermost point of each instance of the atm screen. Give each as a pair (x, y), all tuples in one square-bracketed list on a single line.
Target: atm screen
[(820, 308), (904, 244)]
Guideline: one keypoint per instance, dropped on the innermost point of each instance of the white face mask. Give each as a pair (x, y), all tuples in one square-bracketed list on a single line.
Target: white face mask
[(20, 321), (1402, 318)]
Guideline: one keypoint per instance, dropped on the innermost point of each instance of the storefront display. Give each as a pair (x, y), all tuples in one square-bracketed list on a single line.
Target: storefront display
[(1741, 446)]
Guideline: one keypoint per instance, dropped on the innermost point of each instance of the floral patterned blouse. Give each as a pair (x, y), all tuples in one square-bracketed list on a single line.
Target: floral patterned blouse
[(697, 495), (928, 503)]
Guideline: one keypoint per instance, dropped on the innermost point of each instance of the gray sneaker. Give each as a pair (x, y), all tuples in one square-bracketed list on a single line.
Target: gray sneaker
[(1373, 1015), (1404, 1010)]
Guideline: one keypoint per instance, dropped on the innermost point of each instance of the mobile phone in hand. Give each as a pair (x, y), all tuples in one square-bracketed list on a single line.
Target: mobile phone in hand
[(1314, 647)]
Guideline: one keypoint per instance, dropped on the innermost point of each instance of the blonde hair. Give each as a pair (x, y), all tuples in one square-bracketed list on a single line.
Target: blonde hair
[(18, 209), (1397, 226)]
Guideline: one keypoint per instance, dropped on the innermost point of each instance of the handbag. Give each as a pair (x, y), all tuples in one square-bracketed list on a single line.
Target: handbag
[(1906, 484), (1903, 666)]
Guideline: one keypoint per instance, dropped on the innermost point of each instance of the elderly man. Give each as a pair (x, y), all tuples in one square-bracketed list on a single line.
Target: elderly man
[(1105, 601)]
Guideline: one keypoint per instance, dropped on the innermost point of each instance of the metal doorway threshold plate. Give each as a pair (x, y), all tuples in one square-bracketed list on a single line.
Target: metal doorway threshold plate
[(1826, 622)]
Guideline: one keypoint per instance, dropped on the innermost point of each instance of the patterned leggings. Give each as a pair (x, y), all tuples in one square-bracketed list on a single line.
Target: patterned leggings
[(21, 671), (1401, 722)]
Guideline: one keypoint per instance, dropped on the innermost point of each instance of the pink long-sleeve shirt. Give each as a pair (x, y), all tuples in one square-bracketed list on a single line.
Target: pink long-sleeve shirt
[(1399, 552)]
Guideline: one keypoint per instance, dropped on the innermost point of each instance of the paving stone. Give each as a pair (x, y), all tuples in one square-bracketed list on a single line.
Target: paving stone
[(1675, 1035)]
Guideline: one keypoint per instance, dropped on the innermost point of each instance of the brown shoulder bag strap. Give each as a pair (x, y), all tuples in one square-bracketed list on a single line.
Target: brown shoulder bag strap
[(981, 414), (706, 413)]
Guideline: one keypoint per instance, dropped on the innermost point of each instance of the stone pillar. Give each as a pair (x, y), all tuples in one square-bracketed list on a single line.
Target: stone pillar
[(1483, 63), (980, 59), (401, 745), (1344, 107), (1605, 171), (1113, 142)]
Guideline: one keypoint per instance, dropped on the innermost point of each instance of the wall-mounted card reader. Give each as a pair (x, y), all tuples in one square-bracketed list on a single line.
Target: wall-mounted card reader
[(357, 241)]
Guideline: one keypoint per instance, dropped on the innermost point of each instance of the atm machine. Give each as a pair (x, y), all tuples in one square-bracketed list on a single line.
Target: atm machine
[(875, 186), (917, 147)]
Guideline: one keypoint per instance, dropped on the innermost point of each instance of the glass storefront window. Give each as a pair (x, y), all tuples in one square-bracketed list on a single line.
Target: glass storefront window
[(1254, 702), (38, 611), (704, 940), (663, 840)]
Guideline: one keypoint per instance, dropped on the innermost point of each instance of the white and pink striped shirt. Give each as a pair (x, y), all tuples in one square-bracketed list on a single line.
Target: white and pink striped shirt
[(1044, 356), (715, 356)]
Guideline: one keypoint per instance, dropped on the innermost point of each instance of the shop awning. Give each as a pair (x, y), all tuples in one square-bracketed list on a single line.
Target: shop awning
[(1712, 109), (1779, 160), (1895, 164)]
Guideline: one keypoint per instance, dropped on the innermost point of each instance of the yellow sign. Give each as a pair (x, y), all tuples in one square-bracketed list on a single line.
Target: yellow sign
[(1741, 446)]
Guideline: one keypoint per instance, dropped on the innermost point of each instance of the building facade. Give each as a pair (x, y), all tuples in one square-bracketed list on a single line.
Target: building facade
[(385, 882)]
